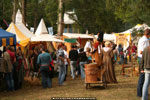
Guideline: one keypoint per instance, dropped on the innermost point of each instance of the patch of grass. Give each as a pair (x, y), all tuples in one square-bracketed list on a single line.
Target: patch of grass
[(125, 89)]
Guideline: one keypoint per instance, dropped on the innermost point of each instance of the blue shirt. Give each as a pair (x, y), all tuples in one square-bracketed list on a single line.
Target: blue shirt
[(44, 59)]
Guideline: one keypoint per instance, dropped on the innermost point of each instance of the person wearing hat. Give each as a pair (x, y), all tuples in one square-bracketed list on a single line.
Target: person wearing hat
[(107, 60)]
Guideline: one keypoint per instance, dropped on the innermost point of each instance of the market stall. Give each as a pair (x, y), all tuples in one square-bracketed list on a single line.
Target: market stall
[(22, 40), (81, 39), (7, 38), (41, 35)]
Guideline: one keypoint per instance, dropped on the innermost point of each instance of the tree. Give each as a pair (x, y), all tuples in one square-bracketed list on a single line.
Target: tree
[(35, 11), (51, 11), (60, 18), (132, 11), (6, 7), (94, 15), (24, 3), (14, 10)]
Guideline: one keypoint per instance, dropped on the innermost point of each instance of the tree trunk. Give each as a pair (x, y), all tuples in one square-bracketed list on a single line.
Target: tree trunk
[(35, 15), (24, 11), (14, 11), (60, 18)]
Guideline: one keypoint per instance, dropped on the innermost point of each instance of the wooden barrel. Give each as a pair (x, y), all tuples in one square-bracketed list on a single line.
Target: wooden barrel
[(91, 72)]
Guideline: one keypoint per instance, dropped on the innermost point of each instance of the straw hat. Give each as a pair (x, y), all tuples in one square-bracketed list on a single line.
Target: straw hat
[(107, 43)]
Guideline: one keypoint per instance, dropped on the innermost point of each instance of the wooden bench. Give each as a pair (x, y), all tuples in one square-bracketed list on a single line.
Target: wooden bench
[(129, 70)]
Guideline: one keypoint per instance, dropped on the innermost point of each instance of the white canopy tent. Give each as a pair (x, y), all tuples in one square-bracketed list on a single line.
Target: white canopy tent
[(77, 35), (41, 34), (137, 27), (21, 26), (45, 38), (41, 28), (18, 17), (21, 38), (24, 30)]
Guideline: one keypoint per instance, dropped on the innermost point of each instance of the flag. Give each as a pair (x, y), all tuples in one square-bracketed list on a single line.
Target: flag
[(50, 30)]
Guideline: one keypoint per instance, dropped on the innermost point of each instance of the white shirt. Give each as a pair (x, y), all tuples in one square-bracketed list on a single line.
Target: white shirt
[(143, 42), (66, 55), (146, 71), (87, 45)]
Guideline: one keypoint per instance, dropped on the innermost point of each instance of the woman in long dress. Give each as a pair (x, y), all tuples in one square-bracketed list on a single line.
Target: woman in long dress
[(107, 55)]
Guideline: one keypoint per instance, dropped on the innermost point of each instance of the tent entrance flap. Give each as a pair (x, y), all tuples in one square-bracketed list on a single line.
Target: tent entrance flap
[(70, 40)]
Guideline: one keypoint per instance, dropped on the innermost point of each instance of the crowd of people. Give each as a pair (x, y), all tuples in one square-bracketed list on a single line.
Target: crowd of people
[(11, 68), (126, 55), (15, 65)]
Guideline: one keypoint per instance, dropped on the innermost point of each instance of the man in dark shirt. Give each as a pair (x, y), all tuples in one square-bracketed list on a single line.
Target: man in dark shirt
[(73, 56), (83, 60)]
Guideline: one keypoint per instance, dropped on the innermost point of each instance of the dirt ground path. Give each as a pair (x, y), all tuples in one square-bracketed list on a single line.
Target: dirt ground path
[(125, 89)]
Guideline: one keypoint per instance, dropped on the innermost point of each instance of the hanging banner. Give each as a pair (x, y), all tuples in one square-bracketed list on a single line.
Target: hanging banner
[(123, 39), (50, 30)]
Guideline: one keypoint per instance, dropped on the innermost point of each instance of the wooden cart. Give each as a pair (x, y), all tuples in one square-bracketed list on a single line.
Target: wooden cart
[(94, 75)]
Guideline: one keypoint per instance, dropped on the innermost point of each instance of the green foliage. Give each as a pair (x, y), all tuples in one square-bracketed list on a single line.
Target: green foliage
[(35, 12), (5, 11), (51, 10), (94, 15), (132, 11)]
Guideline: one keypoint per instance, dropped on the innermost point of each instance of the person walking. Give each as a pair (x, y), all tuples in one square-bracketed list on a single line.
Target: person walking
[(61, 64), (143, 43), (82, 60), (66, 61), (73, 56), (34, 61), (44, 60), (145, 68)]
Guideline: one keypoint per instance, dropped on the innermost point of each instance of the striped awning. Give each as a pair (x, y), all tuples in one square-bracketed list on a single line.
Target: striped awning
[(21, 38)]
